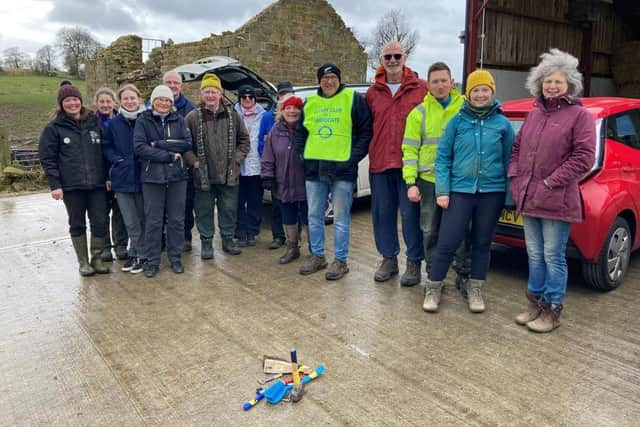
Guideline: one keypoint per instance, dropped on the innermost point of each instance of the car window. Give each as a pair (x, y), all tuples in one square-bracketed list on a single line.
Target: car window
[(517, 124), (625, 128)]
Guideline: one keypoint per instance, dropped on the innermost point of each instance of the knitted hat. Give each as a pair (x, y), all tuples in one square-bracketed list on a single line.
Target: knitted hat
[(292, 100), (480, 77), (328, 68), (246, 90), (211, 80), (284, 86), (66, 91), (161, 91)]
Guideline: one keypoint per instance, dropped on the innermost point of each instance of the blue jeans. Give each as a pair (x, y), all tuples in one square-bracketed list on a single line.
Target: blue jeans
[(341, 197), (388, 193), (546, 241)]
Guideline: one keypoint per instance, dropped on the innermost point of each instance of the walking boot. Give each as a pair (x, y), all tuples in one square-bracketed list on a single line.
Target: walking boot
[(251, 240), (304, 236), (276, 243), (187, 246), (474, 295), (388, 267), (122, 253), (337, 270), (411, 275), (80, 246), (241, 242), (548, 320), (533, 310), (293, 251), (229, 246), (312, 264), (97, 245), (432, 294), (206, 249), (106, 254)]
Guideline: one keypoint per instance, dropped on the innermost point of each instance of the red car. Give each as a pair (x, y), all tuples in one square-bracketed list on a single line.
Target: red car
[(610, 191)]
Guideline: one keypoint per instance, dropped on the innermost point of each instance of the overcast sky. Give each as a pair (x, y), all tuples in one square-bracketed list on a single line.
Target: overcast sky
[(30, 24)]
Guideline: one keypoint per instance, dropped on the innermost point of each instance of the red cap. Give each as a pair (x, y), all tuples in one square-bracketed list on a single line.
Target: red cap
[(292, 100)]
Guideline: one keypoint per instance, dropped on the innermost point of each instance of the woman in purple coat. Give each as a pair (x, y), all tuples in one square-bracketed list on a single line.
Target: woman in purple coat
[(552, 152), (283, 174)]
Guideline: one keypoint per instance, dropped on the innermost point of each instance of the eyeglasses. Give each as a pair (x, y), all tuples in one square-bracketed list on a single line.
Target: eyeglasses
[(396, 56), (246, 96)]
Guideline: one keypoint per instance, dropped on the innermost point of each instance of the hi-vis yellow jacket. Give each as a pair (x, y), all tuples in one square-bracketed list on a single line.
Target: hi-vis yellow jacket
[(425, 125)]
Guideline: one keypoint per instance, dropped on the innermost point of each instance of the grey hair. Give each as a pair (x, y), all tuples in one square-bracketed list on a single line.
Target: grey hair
[(551, 62), (171, 73)]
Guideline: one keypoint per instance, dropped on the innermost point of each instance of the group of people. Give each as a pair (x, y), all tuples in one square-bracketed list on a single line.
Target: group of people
[(448, 162)]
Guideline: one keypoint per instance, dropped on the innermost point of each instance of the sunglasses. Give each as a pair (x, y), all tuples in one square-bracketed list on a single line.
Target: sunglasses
[(246, 96), (396, 56)]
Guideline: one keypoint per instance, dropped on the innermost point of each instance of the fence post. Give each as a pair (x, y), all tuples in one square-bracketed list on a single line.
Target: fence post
[(5, 149)]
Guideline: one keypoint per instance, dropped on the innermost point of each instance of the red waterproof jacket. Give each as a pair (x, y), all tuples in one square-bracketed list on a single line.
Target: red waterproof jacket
[(389, 116)]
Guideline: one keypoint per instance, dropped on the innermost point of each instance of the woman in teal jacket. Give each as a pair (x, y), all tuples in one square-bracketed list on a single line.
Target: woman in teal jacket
[(471, 182)]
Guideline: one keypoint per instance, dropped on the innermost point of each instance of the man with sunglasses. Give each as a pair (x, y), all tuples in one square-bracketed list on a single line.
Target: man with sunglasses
[(250, 195), (333, 135), (395, 92)]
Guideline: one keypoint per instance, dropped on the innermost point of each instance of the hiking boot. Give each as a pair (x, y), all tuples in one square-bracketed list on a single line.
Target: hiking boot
[(187, 246), (411, 276), (230, 246), (388, 267), (251, 240), (293, 251), (548, 320), (206, 249), (533, 310), (151, 270), (474, 295), (312, 264), (82, 253), (177, 267), (106, 255), (337, 270), (461, 284), (122, 253), (97, 246), (138, 267), (242, 242), (129, 264), (304, 237), (432, 294), (276, 243)]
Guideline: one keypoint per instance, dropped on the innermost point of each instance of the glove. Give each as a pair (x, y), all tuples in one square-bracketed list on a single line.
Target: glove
[(268, 183)]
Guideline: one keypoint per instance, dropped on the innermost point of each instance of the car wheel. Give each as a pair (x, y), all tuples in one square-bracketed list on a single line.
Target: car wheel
[(608, 272)]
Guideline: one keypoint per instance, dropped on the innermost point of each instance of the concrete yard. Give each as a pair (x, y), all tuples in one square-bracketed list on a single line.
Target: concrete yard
[(176, 350)]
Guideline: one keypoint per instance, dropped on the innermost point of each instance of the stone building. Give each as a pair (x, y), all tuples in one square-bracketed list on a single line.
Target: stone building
[(289, 39)]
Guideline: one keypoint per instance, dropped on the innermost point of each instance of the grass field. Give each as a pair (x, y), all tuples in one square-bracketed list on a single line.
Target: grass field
[(26, 104)]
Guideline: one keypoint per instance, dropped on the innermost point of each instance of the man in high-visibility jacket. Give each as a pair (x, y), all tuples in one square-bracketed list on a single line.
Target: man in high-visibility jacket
[(425, 124), (332, 136)]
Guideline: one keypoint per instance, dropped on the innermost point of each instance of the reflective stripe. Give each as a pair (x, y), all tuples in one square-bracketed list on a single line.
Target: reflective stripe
[(426, 169), (410, 141), (410, 162), (432, 140)]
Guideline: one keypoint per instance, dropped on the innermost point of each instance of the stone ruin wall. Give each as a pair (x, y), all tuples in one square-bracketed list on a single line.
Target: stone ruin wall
[(288, 40)]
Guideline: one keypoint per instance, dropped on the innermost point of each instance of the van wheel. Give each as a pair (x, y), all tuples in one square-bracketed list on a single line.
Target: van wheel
[(608, 273)]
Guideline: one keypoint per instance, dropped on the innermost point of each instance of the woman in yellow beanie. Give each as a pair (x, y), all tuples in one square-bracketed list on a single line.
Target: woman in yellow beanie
[(471, 182)]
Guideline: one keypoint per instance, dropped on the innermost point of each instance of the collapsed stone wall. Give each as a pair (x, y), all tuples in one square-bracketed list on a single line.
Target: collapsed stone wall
[(289, 39)]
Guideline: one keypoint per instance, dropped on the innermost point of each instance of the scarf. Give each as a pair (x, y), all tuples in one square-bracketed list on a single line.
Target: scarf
[(131, 115), (481, 112)]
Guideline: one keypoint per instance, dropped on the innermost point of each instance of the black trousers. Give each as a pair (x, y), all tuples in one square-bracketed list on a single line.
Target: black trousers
[(249, 206), (79, 204)]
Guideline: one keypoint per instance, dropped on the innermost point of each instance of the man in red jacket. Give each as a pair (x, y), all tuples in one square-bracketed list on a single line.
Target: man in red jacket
[(396, 91)]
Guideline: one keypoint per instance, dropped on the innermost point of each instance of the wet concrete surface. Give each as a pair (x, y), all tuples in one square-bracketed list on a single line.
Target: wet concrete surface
[(121, 349)]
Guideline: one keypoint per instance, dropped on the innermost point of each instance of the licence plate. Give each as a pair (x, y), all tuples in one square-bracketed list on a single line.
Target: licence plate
[(510, 217)]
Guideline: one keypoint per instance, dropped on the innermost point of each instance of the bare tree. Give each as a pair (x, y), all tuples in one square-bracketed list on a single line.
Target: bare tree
[(14, 57), (45, 57), (392, 26), (77, 45)]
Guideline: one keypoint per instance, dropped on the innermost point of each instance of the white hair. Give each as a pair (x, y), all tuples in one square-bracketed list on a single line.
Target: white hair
[(172, 73), (553, 61)]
